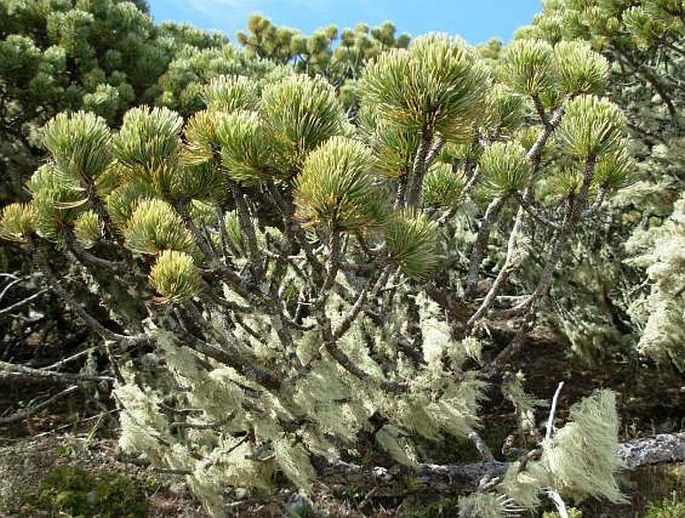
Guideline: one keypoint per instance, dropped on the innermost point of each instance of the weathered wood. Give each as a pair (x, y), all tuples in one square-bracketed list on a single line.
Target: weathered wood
[(464, 478), (662, 449), (15, 371)]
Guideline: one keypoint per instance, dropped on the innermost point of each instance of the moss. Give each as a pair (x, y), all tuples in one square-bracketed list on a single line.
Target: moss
[(80, 494), (572, 513), (676, 482), (453, 450), (671, 503), (671, 508)]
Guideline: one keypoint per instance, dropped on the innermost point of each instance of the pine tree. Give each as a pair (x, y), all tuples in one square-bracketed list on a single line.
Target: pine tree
[(293, 269), (101, 56), (599, 302)]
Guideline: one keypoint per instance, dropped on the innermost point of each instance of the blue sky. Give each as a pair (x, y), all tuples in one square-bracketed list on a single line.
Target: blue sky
[(475, 20)]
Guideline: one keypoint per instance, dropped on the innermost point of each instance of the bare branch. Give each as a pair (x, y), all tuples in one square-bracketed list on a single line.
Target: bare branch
[(481, 243), (15, 371), (552, 410), (20, 416), (463, 478), (89, 320), (17, 305)]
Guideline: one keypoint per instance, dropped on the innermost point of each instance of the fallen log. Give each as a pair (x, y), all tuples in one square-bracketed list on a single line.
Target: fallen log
[(465, 478), (661, 449)]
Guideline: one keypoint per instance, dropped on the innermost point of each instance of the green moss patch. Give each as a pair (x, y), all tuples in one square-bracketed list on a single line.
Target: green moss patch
[(81, 494)]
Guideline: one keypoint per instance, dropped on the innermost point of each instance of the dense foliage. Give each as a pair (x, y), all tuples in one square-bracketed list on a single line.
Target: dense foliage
[(611, 305), (297, 257)]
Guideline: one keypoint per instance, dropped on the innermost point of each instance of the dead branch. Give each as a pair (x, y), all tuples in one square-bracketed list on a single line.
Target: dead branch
[(20, 416), (463, 478)]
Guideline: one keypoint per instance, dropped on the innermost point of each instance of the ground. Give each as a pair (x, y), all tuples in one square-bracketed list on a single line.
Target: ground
[(80, 432)]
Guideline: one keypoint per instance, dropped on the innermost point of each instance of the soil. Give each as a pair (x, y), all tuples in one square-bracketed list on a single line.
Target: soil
[(24, 462)]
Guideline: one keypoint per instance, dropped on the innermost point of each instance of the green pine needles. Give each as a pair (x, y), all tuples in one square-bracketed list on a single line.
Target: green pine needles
[(307, 270)]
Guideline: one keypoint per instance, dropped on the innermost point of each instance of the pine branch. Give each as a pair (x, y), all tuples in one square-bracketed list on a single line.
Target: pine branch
[(540, 109), (599, 200), (533, 155), (101, 210), (401, 194), (223, 238), (67, 298), (183, 209), (481, 243), (563, 234), (248, 230), (472, 172), (501, 278), (434, 151), (415, 184), (292, 227), (83, 255), (535, 212), (246, 366)]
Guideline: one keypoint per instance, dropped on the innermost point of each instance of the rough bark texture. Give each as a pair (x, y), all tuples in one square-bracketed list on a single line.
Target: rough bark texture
[(425, 477), (664, 448)]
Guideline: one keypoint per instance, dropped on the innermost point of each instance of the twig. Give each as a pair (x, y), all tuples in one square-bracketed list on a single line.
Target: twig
[(63, 362), (16, 305), (480, 445), (12, 370), (15, 281), (552, 410), (20, 416)]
